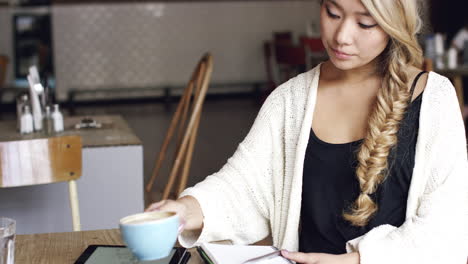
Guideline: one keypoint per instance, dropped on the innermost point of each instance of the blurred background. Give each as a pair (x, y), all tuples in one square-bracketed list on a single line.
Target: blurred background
[(134, 58)]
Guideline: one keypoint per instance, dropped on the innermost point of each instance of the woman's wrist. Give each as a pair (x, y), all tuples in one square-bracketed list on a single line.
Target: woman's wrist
[(192, 213)]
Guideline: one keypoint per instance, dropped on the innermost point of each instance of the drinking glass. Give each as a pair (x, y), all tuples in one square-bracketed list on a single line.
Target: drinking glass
[(7, 240)]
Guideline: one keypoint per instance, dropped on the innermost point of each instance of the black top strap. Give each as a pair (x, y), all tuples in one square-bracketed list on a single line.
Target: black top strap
[(414, 84)]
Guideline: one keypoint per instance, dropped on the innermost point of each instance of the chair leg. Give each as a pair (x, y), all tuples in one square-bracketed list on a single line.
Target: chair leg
[(74, 205), (188, 158), (206, 69), (188, 155), (167, 139)]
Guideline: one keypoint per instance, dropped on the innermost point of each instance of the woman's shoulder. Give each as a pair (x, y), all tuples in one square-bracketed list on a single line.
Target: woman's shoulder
[(432, 83), (439, 85), (440, 99), (299, 85), (292, 95)]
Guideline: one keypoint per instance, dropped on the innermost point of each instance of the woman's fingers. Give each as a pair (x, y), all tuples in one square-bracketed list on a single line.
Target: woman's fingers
[(168, 206), (155, 206), (178, 207), (299, 257)]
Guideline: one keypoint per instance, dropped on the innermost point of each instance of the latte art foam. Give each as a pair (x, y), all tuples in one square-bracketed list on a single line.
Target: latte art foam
[(146, 217)]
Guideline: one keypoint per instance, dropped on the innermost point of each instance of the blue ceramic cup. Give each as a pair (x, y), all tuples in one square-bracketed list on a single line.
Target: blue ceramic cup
[(150, 235)]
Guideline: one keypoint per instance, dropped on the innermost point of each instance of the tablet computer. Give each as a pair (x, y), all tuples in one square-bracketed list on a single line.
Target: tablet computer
[(105, 254)]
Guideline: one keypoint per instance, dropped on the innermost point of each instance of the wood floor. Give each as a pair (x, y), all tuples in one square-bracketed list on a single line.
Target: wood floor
[(224, 123)]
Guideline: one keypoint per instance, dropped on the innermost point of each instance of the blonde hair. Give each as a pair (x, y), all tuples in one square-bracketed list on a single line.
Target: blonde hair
[(401, 21)]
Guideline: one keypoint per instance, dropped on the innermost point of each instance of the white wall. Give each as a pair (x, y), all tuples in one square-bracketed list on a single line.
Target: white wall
[(152, 44)]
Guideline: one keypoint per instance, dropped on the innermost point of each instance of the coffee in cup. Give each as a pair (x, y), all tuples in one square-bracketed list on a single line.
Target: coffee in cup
[(150, 235)]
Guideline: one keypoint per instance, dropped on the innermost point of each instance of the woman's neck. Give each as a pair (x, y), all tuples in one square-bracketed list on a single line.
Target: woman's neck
[(352, 76)]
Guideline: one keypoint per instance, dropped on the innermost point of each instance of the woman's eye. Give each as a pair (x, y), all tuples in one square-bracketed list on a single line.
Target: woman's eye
[(364, 26), (330, 14)]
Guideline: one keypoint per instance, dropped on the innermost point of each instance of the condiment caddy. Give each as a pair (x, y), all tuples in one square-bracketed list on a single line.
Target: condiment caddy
[(33, 109)]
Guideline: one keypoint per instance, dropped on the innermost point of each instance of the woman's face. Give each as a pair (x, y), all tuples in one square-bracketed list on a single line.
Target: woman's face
[(350, 35)]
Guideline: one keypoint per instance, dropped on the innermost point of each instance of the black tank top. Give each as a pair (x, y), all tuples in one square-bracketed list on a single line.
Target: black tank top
[(330, 186)]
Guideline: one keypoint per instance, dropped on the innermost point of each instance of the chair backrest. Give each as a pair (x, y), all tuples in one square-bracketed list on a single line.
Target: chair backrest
[(185, 121), (3, 69), (290, 55), (283, 38), (40, 161), (313, 44), (268, 59), (290, 61)]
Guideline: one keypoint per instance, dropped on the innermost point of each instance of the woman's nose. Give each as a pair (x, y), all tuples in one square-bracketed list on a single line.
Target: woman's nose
[(344, 34)]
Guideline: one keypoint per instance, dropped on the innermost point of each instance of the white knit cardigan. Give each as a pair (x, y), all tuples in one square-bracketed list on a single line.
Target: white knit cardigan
[(258, 192)]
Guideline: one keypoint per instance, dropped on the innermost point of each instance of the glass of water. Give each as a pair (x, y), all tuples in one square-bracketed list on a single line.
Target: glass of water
[(7, 240)]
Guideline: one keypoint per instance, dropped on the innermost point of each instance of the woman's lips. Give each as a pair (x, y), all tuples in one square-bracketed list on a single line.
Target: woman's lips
[(341, 55)]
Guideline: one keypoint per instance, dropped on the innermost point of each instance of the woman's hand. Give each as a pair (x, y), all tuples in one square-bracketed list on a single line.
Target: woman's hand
[(186, 207), (321, 258)]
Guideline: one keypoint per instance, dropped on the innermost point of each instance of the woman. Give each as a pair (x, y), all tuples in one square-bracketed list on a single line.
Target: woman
[(360, 160)]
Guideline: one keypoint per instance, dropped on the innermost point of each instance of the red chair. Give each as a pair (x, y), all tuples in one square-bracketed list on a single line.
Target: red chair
[(283, 38), (284, 60), (290, 60), (3, 69), (313, 44), (268, 57), (315, 51)]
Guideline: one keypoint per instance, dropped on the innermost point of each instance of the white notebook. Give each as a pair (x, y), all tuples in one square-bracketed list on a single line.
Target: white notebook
[(237, 254)]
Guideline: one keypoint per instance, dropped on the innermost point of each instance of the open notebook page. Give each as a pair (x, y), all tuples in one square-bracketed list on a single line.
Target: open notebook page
[(237, 254)]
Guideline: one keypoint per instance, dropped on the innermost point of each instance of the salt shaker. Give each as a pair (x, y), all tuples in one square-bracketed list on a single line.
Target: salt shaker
[(57, 119), (21, 101), (26, 121)]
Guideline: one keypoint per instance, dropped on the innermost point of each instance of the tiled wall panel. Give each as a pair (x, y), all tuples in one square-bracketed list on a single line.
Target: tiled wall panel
[(152, 44)]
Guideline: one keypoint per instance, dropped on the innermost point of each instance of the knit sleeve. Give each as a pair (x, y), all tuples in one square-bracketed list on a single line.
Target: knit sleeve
[(437, 233), (236, 200)]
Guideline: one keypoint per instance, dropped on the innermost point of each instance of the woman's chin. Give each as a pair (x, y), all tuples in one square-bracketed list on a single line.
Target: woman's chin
[(343, 64), (350, 64)]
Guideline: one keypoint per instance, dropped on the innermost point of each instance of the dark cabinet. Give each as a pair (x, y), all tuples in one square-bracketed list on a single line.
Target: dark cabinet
[(33, 41)]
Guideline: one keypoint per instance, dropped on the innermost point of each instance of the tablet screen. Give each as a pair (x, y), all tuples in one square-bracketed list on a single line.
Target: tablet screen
[(120, 255)]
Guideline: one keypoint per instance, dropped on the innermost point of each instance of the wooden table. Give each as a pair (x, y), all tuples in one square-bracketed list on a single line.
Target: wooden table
[(111, 185), (114, 132), (64, 248)]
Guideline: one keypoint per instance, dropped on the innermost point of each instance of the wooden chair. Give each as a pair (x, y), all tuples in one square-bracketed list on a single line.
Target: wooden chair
[(283, 38), (290, 60), (268, 59), (283, 59), (313, 44), (314, 50), (191, 101), (3, 69), (43, 161)]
